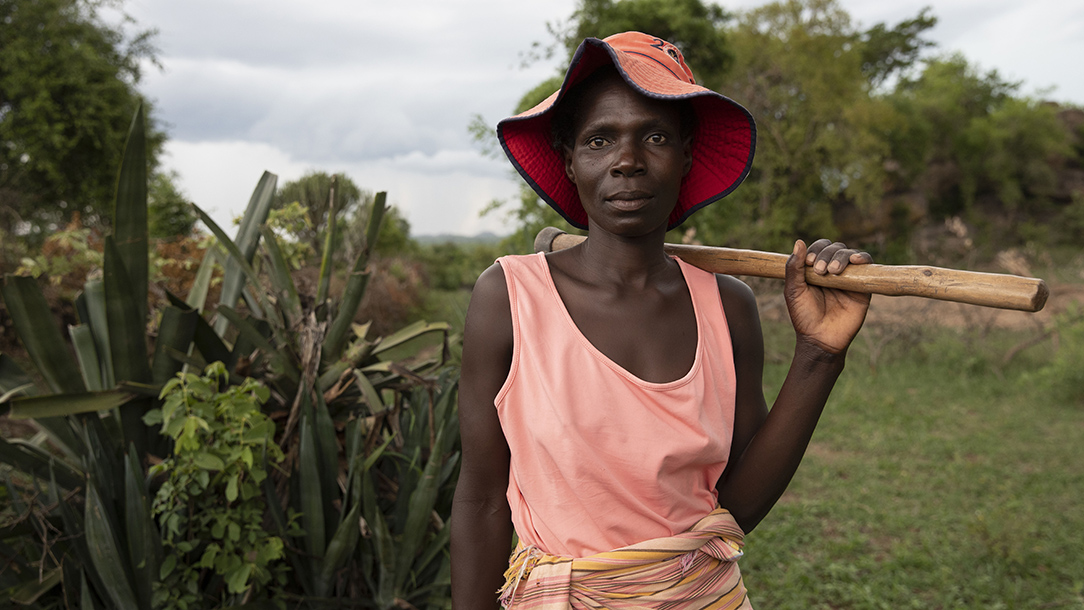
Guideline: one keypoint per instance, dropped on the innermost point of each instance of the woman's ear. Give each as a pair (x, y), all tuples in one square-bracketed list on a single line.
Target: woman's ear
[(566, 152)]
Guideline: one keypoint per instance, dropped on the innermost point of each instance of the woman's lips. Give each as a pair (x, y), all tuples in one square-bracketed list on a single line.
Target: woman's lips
[(629, 200)]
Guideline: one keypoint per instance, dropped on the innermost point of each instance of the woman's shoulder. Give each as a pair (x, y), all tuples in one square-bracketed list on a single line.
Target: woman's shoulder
[(736, 295), (491, 287), (507, 279), (742, 315), (488, 324)]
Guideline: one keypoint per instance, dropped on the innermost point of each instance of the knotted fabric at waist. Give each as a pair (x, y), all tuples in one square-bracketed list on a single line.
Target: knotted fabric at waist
[(692, 570)]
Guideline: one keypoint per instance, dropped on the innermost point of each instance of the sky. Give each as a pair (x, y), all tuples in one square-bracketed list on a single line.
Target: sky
[(383, 91)]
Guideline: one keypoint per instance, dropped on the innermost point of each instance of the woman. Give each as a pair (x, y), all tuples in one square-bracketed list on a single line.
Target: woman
[(611, 406)]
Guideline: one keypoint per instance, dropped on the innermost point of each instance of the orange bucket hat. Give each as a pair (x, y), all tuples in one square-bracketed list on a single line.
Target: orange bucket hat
[(723, 141)]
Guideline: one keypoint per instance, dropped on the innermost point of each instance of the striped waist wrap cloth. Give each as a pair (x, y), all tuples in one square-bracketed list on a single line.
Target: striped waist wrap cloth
[(692, 570)]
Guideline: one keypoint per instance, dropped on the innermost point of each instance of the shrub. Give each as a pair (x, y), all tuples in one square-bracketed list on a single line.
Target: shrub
[(210, 509)]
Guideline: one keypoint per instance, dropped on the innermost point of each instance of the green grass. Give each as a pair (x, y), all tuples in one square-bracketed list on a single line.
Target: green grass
[(941, 479)]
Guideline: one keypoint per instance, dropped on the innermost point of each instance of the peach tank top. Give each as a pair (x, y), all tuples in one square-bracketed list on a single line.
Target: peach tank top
[(601, 459)]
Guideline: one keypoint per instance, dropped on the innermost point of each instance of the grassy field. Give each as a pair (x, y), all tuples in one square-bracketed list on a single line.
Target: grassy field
[(942, 478)]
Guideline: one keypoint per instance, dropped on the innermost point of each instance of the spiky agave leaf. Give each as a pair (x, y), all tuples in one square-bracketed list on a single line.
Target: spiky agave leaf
[(176, 331), (283, 284), (355, 284), (244, 271), (101, 526), (56, 405), (38, 331), (144, 542), (130, 213), (127, 341), (98, 321), (248, 237), (13, 380), (310, 484), (324, 282), (87, 353)]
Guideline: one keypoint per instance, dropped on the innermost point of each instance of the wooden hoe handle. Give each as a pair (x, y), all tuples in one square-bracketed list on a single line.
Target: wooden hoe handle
[(986, 289)]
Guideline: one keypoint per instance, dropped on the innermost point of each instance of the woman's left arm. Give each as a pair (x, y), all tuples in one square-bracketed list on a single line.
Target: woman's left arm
[(767, 447)]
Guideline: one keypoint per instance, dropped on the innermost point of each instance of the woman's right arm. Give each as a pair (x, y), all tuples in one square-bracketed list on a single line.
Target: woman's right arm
[(481, 521)]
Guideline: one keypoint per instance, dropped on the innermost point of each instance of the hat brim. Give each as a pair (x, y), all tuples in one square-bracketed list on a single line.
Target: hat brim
[(723, 143)]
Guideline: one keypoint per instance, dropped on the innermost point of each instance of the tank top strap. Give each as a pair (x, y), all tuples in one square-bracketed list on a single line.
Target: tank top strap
[(704, 290), (527, 278)]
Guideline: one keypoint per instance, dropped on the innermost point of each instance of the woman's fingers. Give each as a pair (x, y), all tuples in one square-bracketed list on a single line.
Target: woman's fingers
[(861, 258), (814, 249), (826, 256)]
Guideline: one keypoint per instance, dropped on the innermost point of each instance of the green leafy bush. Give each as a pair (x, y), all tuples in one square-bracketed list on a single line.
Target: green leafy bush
[(290, 220), (210, 509)]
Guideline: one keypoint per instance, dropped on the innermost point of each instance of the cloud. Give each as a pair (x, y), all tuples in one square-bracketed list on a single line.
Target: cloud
[(340, 87), (439, 193), (332, 82), (346, 32), (1038, 44), (210, 100), (322, 116), (219, 177), (439, 201)]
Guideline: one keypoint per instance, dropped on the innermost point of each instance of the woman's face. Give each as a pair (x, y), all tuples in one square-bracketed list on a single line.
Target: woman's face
[(627, 158)]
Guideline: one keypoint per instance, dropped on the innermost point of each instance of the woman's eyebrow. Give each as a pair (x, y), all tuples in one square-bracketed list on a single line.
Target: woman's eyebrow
[(607, 123)]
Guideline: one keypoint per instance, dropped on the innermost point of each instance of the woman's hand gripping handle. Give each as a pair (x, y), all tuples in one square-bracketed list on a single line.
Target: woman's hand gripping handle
[(825, 318)]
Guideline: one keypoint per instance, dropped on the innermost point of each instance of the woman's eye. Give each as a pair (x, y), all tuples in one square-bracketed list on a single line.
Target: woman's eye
[(656, 138), (596, 142)]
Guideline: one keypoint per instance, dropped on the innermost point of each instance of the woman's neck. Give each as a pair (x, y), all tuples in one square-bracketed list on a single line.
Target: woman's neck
[(634, 262)]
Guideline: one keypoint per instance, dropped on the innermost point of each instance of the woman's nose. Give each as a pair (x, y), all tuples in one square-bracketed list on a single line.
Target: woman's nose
[(628, 160)]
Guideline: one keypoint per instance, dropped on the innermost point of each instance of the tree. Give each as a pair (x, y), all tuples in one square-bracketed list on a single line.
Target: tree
[(983, 139), (394, 239), (696, 27), (799, 72), (169, 212), (888, 52), (860, 135), (313, 193), (67, 94)]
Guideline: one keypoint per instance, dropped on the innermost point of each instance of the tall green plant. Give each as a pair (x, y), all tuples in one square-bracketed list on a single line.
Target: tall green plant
[(95, 530), (357, 410), (367, 434)]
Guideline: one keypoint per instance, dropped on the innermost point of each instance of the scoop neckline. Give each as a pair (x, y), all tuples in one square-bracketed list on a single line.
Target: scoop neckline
[(609, 362)]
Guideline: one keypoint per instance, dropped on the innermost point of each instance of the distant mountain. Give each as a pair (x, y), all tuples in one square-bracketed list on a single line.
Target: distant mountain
[(482, 238)]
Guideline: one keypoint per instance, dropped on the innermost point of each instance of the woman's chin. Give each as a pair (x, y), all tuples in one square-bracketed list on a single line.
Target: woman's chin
[(629, 227)]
